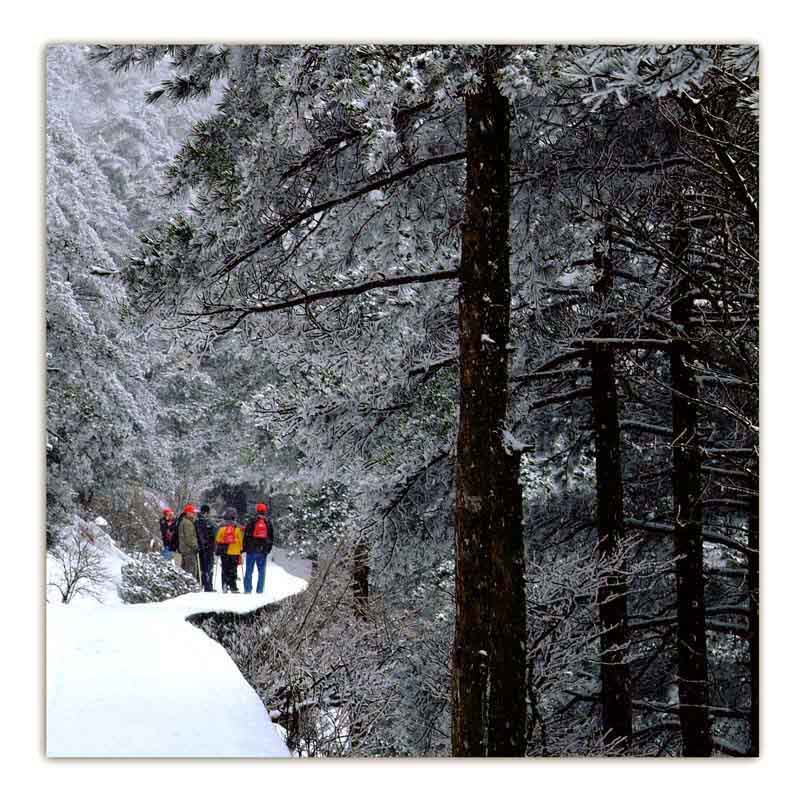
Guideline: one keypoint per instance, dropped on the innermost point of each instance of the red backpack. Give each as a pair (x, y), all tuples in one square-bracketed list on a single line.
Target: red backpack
[(260, 528), (228, 535)]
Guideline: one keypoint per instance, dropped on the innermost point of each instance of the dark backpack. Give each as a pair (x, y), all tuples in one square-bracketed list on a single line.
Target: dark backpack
[(174, 542), (205, 532)]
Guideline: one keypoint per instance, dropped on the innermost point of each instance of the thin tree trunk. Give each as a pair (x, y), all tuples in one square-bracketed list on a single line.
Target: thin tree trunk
[(612, 595), (360, 576), (489, 648), (692, 675), (753, 587)]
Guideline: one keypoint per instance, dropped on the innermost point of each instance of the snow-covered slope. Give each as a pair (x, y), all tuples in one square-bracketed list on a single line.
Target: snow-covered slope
[(111, 560), (139, 680)]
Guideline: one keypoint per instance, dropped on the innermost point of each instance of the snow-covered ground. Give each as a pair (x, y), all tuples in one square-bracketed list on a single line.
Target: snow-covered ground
[(139, 680)]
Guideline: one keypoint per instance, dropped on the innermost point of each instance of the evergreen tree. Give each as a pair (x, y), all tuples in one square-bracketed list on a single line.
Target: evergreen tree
[(362, 283)]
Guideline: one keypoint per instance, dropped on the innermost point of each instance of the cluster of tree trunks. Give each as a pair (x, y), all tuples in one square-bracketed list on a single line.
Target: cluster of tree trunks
[(489, 685)]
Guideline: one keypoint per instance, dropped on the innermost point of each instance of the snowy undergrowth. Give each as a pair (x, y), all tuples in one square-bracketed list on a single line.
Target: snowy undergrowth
[(150, 578)]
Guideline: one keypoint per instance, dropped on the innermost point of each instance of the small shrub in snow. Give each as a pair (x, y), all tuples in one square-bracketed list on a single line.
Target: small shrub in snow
[(149, 578), (80, 568)]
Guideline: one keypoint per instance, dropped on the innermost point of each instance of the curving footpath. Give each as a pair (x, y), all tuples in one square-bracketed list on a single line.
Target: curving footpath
[(141, 681)]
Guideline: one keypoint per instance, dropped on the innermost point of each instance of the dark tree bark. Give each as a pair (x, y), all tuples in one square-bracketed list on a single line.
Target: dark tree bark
[(489, 648), (612, 595), (692, 675), (360, 576), (752, 582)]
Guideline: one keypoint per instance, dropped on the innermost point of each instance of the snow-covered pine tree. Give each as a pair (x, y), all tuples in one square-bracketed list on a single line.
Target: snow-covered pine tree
[(324, 190)]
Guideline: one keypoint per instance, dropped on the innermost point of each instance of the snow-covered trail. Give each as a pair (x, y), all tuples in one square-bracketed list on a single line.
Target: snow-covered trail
[(139, 680)]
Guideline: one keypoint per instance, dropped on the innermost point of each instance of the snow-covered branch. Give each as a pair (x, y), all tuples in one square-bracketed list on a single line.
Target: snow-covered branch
[(297, 219), (316, 297)]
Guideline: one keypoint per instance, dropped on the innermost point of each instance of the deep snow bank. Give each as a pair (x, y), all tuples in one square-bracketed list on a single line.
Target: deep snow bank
[(139, 680)]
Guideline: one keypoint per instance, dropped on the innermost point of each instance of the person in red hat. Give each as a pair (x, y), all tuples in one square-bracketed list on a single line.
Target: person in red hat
[(257, 546), (167, 524), (187, 540)]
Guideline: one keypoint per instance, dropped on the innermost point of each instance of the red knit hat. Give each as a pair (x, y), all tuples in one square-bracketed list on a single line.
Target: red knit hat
[(261, 508), (189, 509)]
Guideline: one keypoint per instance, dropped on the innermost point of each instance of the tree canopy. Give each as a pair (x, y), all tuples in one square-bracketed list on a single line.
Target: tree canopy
[(500, 302)]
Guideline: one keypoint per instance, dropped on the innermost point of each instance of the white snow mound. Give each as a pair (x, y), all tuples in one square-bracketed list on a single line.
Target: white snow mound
[(141, 681)]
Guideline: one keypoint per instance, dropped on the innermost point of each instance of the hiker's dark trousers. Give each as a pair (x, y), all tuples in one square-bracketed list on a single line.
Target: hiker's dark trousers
[(229, 572), (207, 568)]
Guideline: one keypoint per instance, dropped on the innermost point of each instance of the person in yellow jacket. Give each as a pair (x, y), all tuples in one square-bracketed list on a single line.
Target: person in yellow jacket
[(229, 540)]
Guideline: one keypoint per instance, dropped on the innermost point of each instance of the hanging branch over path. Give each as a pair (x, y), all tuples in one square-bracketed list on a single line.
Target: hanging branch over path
[(315, 297), (310, 212)]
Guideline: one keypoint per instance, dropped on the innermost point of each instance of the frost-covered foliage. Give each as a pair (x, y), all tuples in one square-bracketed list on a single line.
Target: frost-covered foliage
[(316, 520), (339, 682), (150, 578), (104, 158), (133, 515), (659, 70), (327, 180)]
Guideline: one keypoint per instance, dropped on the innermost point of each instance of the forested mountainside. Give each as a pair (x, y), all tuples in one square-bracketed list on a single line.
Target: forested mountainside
[(483, 319)]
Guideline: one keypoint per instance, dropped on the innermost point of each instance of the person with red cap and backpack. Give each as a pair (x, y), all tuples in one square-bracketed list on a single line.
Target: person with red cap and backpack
[(187, 540), (257, 546), (229, 548)]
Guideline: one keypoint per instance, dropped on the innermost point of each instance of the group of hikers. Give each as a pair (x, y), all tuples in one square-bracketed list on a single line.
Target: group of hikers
[(193, 540)]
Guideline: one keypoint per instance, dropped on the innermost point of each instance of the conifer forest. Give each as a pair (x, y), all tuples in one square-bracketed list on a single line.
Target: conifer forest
[(482, 321)]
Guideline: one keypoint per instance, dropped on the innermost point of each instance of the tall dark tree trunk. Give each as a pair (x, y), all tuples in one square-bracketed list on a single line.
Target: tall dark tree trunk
[(489, 648), (360, 576), (612, 596), (752, 581), (688, 514)]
